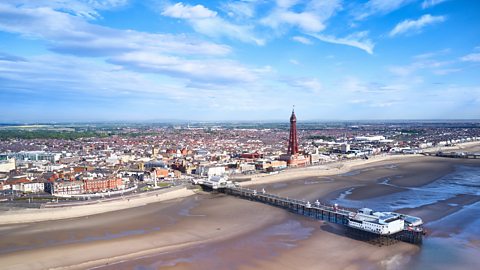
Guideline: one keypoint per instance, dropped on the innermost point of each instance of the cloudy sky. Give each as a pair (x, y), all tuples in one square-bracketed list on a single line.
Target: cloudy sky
[(88, 60)]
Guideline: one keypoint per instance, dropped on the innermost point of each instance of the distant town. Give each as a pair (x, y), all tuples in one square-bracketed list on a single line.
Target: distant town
[(45, 163)]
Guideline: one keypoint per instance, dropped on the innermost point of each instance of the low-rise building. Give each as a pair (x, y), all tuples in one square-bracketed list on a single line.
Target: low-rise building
[(7, 165), (247, 167), (272, 165), (32, 187), (63, 187), (102, 185), (211, 171)]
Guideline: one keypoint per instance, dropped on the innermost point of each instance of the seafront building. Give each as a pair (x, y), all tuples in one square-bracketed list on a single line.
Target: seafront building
[(166, 153), (7, 165), (85, 186)]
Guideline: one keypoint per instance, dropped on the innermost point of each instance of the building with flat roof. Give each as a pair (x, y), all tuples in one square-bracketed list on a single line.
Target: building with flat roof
[(7, 165)]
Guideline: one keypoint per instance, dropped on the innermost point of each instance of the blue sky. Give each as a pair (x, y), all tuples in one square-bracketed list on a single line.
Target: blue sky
[(100, 60)]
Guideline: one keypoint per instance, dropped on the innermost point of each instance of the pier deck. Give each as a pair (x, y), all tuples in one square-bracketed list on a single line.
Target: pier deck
[(324, 212), (464, 155)]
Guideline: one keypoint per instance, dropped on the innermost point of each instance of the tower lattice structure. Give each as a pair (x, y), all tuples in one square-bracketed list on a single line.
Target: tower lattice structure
[(293, 140)]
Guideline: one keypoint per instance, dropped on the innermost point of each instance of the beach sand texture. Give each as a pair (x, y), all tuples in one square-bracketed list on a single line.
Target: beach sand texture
[(214, 231)]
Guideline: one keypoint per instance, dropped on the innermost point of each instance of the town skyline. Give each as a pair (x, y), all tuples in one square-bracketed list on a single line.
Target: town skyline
[(127, 60)]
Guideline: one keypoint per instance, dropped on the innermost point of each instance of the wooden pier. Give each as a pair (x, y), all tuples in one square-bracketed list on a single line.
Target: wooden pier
[(327, 213)]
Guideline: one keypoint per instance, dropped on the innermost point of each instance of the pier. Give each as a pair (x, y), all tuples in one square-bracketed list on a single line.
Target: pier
[(464, 155), (328, 213)]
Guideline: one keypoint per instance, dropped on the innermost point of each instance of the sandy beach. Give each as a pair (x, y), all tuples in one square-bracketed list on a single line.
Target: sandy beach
[(35, 215), (116, 236), (330, 169), (214, 231)]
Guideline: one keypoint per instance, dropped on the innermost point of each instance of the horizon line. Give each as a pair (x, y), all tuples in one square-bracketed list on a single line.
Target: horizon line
[(185, 121)]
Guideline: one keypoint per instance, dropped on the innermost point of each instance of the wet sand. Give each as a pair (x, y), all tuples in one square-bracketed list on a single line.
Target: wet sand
[(127, 234), (329, 169), (305, 244), (331, 250), (322, 171), (34, 215), (378, 179), (208, 231), (344, 167), (436, 211)]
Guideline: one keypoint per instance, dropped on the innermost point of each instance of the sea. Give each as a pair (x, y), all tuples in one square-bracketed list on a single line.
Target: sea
[(452, 242)]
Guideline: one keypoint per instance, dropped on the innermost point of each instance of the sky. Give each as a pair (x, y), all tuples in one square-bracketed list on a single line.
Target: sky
[(150, 60)]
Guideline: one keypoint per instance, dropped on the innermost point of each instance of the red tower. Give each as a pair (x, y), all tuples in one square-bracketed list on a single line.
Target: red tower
[(293, 140)]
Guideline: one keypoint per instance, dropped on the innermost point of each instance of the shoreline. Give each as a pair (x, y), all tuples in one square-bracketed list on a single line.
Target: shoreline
[(18, 216), (330, 169), (197, 228), (341, 167), (208, 239), (211, 221), (29, 215)]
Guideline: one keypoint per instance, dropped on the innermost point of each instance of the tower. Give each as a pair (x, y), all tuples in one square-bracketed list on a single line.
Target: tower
[(293, 140), (154, 151)]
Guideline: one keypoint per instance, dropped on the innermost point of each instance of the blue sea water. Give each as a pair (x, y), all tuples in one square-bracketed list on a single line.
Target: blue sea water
[(464, 180), (459, 250), (454, 242)]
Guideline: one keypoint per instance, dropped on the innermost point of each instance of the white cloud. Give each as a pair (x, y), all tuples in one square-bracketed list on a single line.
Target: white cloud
[(357, 101), (9, 57), (430, 3), (473, 57), (353, 84), (70, 34), (83, 8), (446, 71), (415, 26), (402, 70), (383, 104), (292, 61), (312, 85), (104, 4), (420, 64), (218, 27), (433, 54), (174, 56), (325, 9), (181, 11), (425, 64), (307, 21), (101, 90), (303, 40), (240, 24), (240, 9), (381, 7), (286, 3), (73, 75), (207, 22), (357, 40), (310, 17), (212, 71)]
